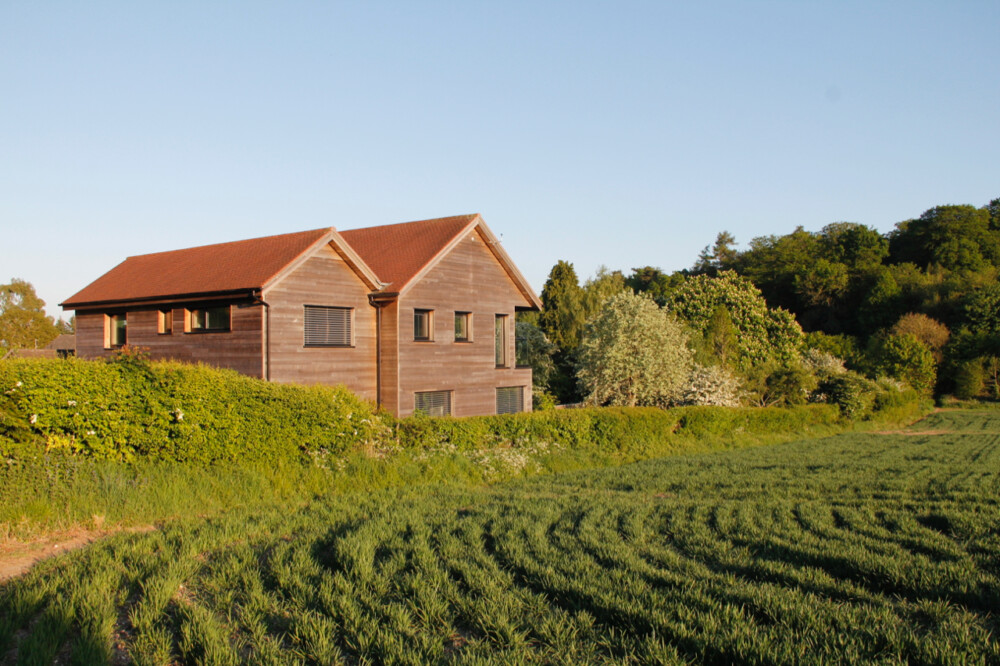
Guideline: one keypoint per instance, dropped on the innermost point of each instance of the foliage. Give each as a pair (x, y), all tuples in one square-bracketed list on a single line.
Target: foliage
[(969, 379), (851, 392), (535, 350), (633, 353), (563, 314), (23, 322), (822, 364), (653, 282), (929, 331), (712, 385), (131, 408), (598, 289), (763, 334), (780, 384), (957, 238), (982, 310), (903, 357)]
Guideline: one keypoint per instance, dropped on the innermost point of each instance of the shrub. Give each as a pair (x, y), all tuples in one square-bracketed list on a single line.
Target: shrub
[(852, 393), (903, 357), (969, 379), (171, 411), (712, 385)]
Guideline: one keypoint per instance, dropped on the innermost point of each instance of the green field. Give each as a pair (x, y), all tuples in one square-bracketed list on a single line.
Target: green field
[(858, 548)]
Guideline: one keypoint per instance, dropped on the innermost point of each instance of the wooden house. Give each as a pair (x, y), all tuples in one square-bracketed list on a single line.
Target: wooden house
[(418, 315)]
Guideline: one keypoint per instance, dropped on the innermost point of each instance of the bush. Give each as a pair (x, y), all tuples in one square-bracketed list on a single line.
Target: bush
[(853, 394), (969, 379), (170, 411)]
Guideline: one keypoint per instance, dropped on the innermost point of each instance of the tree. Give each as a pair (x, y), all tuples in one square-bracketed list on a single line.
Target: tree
[(562, 316), (856, 246), (762, 334), (534, 350), (958, 238), (600, 288), (654, 282), (633, 353), (23, 322), (719, 257), (929, 331), (903, 357)]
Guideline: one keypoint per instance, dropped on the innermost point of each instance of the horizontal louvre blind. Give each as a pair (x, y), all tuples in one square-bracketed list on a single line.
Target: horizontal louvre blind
[(510, 399), (433, 403), (327, 326)]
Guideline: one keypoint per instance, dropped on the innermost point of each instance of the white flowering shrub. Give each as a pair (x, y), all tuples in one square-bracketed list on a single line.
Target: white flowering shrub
[(712, 385), (822, 364), (633, 353)]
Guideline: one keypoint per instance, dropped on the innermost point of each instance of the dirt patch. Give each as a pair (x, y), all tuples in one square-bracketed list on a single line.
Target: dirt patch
[(17, 558)]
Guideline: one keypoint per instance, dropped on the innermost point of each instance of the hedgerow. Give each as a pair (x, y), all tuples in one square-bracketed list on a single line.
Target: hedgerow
[(173, 412)]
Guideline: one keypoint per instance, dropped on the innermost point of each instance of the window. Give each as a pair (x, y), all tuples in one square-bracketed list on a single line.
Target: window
[(117, 336), (500, 340), (433, 403), (202, 320), (328, 326), (423, 324), (463, 326), (510, 399), (165, 322)]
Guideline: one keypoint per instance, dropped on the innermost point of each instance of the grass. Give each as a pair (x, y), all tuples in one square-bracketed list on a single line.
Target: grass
[(857, 548)]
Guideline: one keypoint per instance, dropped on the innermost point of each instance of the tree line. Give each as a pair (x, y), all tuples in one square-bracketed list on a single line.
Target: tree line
[(919, 305)]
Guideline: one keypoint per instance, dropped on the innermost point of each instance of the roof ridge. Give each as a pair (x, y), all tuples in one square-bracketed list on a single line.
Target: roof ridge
[(234, 242)]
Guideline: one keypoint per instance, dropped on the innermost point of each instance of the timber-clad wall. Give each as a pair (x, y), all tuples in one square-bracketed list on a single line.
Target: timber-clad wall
[(238, 349), (323, 279), (467, 279)]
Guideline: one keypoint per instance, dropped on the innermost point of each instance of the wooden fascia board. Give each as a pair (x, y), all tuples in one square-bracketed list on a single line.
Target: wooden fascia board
[(172, 299), (493, 243), (340, 246)]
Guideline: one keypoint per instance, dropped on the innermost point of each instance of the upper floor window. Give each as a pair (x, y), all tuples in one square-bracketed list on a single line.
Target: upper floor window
[(500, 340), (423, 324), (117, 333), (463, 326), (165, 322), (203, 320), (328, 326)]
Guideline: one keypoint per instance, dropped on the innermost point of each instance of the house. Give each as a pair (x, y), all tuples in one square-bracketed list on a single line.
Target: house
[(62, 347), (414, 316)]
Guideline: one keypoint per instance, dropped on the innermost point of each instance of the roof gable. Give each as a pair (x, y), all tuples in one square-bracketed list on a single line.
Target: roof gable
[(399, 252), (223, 267)]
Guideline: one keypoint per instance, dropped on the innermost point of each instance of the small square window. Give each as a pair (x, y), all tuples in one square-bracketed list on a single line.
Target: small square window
[(510, 399), (328, 326), (423, 325), (165, 322), (463, 326)]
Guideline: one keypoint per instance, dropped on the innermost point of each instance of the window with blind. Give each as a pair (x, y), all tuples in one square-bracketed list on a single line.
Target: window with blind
[(433, 403), (510, 399), (328, 326)]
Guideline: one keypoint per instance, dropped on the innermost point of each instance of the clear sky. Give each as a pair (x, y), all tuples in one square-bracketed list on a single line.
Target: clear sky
[(619, 133)]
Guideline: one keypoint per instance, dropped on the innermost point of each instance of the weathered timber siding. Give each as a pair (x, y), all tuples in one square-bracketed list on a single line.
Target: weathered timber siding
[(467, 279), (323, 279), (390, 357), (238, 349)]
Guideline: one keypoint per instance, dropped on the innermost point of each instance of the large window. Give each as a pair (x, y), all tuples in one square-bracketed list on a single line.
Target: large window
[(463, 326), (433, 403), (203, 320), (423, 325), (500, 340), (328, 326), (510, 399), (117, 334)]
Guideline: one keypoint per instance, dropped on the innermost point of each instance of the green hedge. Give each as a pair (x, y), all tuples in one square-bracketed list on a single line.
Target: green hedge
[(171, 411)]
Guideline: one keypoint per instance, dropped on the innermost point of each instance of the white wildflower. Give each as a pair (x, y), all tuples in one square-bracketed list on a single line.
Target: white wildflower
[(33, 419), (71, 403)]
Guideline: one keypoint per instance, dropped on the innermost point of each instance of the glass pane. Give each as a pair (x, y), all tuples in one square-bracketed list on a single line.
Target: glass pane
[(461, 325), (500, 339), (421, 324)]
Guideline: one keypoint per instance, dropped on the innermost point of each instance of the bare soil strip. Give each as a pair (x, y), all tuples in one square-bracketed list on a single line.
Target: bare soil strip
[(17, 558)]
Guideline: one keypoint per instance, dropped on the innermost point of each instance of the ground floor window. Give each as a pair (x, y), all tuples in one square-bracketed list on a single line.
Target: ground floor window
[(433, 403), (510, 399), (209, 319), (117, 334)]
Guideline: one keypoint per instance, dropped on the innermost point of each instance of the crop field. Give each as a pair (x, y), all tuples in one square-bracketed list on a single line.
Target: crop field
[(859, 548)]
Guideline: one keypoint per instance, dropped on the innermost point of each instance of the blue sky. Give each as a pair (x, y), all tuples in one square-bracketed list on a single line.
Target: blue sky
[(617, 133)]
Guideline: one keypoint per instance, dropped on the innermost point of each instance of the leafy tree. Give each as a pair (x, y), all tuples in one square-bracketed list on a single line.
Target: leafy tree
[(958, 238), (654, 282), (982, 310), (929, 331), (633, 353), (903, 357), (762, 334), (23, 322), (711, 386), (822, 283), (993, 208), (562, 316), (535, 350), (600, 288), (858, 247), (719, 257)]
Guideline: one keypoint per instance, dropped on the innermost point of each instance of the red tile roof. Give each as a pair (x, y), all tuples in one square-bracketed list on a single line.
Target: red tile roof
[(398, 252), (246, 264)]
